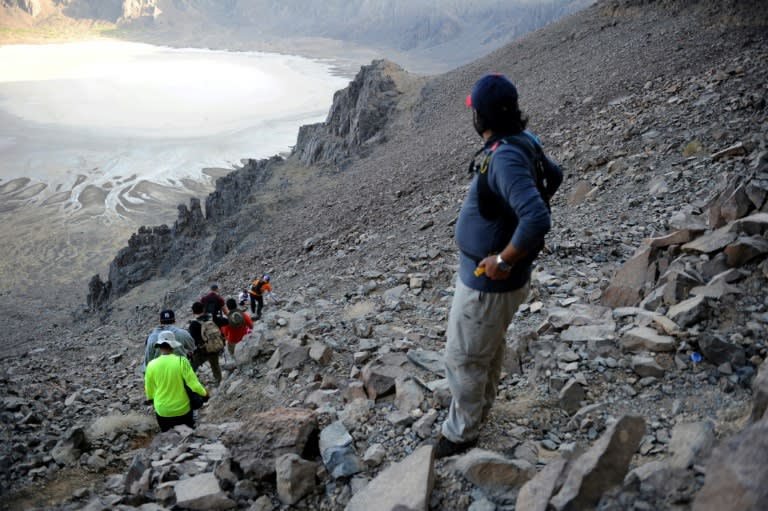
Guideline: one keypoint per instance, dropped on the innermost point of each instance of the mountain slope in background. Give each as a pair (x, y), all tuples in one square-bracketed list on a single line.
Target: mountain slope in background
[(434, 34)]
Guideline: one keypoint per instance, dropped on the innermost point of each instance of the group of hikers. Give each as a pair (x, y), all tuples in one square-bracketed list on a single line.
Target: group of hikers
[(172, 354), (499, 232)]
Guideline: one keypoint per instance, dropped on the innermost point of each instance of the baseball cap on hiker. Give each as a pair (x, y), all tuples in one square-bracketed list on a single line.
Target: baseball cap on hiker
[(167, 316), (169, 339), (494, 98), (214, 287)]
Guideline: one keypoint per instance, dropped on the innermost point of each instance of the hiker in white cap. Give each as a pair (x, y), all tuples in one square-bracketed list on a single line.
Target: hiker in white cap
[(167, 320)]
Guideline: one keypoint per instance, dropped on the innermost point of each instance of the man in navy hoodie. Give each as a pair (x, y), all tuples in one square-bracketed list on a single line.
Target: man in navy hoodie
[(500, 231)]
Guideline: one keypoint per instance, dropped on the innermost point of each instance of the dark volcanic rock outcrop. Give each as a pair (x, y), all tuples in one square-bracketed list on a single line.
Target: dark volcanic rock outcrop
[(153, 251), (233, 196), (357, 115), (98, 293), (31, 7)]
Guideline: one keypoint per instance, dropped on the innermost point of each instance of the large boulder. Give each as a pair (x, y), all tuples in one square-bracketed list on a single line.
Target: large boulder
[(737, 472), (268, 435)]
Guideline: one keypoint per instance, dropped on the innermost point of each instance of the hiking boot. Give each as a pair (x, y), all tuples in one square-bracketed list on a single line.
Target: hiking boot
[(445, 448)]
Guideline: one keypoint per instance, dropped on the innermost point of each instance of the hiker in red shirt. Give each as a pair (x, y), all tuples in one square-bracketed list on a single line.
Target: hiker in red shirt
[(214, 305), (240, 324)]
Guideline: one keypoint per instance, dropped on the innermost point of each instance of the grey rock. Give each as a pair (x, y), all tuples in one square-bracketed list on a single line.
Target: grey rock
[(71, 446), (646, 366), (690, 311), (536, 493), (379, 378), (413, 477), (646, 339), (736, 473), (265, 436), (713, 241), (202, 492), (745, 249), (760, 394), (494, 473), (601, 467), (429, 360), (374, 455), (571, 396), (337, 451), (423, 425), (320, 353), (358, 113), (408, 394), (295, 477), (691, 443), (718, 351)]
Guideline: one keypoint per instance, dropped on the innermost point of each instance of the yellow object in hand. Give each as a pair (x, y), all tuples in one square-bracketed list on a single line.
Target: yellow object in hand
[(480, 270)]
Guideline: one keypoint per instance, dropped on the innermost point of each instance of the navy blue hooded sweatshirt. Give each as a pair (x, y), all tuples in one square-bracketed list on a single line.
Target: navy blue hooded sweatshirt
[(510, 176)]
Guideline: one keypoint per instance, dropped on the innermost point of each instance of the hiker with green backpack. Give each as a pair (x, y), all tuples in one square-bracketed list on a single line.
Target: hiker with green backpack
[(240, 323), (209, 341)]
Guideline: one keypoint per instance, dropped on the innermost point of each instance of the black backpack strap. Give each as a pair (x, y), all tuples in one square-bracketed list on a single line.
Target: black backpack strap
[(535, 154), (490, 204)]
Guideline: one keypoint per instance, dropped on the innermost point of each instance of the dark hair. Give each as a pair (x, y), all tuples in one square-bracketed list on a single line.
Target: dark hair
[(511, 122), (494, 100), (231, 304), (198, 308)]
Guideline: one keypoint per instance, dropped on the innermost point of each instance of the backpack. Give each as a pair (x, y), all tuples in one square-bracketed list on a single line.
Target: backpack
[(491, 205), (211, 307), (256, 287), (236, 319), (213, 339)]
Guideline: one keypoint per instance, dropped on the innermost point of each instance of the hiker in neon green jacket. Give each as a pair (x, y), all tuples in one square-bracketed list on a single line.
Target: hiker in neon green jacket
[(164, 386)]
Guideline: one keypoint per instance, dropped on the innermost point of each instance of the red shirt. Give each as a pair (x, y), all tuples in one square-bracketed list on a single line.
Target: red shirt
[(235, 335)]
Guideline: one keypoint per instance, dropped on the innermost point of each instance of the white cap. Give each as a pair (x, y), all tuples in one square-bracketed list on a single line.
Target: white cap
[(168, 338)]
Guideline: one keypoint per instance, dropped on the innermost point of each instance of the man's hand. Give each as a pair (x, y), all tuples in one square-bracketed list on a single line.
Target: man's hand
[(492, 270)]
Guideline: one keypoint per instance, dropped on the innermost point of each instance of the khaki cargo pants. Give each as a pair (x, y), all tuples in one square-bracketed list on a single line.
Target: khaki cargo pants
[(477, 325)]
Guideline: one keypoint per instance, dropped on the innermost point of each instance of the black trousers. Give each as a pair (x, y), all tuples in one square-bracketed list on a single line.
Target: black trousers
[(167, 423), (254, 300)]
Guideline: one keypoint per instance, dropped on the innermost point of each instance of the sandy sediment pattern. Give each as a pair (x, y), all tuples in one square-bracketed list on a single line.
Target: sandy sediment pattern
[(52, 241)]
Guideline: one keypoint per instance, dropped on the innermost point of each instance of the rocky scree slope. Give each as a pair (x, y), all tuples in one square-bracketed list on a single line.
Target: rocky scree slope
[(657, 133)]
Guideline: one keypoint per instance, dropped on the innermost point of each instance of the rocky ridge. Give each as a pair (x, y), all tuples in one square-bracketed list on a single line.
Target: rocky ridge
[(620, 373)]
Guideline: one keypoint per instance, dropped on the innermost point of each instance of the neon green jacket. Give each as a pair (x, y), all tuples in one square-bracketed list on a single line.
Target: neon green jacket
[(164, 385)]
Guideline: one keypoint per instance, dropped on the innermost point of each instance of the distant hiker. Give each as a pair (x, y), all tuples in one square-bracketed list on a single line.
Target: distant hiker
[(242, 298), (214, 305), (207, 346), (260, 287), (167, 320), (239, 325), (499, 232), (164, 386)]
